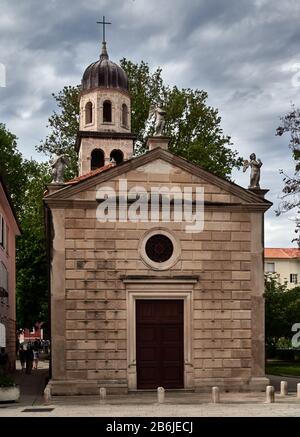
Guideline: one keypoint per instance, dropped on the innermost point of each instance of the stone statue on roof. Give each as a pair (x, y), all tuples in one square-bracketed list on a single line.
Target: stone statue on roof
[(159, 116), (255, 165), (59, 164)]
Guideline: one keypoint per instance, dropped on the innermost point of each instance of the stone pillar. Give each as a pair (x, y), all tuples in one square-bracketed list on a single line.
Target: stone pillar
[(298, 390), (57, 287), (102, 393), (258, 379), (270, 394), (283, 388), (54, 187), (47, 395), (160, 395), (159, 141), (259, 191), (215, 394)]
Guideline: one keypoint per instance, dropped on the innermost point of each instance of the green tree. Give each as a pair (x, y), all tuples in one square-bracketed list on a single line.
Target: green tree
[(282, 311), (12, 167), (290, 123), (194, 127), (64, 126), (31, 286), (275, 320), (26, 181)]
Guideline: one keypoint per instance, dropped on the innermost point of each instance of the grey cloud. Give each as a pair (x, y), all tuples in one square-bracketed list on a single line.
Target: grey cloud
[(240, 51)]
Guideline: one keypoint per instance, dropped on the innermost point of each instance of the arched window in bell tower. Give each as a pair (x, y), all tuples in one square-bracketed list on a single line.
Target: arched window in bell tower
[(97, 159), (88, 113), (124, 115), (117, 155), (107, 116)]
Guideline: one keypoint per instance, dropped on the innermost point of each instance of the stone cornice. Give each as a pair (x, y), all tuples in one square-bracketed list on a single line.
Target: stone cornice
[(183, 279), (103, 135), (104, 89), (208, 206)]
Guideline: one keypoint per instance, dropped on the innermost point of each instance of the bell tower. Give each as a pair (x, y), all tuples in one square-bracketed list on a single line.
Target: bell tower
[(105, 115)]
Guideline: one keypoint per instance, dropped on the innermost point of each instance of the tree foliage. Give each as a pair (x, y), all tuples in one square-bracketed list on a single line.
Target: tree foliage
[(193, 126), (282, 311), (26, 180), (31, 286), (64, 126), (290, 123), (12, 167)]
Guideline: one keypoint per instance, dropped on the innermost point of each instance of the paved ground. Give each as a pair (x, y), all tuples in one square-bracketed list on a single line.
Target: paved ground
[(196, 407), (177, 404), (292, 382), (32, 386)]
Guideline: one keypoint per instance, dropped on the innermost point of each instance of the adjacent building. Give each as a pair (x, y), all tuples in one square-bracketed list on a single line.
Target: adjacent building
[(9, 229), (141, 303), (284, 262)]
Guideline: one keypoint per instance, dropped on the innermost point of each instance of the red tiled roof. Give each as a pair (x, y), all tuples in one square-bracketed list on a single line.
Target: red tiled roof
[(88, 175), (284, 253)]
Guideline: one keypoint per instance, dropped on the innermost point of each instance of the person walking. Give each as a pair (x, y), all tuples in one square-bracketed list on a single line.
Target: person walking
[(22, 357), (35, 359), (29, 359)]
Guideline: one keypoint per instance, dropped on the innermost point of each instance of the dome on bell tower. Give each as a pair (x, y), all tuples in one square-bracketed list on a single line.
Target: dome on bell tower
[(104, 115), (104, 74)]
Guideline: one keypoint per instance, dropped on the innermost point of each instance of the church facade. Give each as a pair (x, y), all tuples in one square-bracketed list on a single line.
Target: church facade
[(137, 304)]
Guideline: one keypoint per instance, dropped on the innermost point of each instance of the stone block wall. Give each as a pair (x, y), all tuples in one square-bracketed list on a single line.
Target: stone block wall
[(106, 145), (97, 97), (227, 317)]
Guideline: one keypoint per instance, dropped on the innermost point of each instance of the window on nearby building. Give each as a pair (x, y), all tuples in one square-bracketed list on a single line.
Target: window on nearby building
[(3, 233), (270, 267), (117, 155), (107, 118), (3, 283), (2, 335), (293, 278), (7, 238), (1, 230), (88, 113), (124, 115), (97, 159)]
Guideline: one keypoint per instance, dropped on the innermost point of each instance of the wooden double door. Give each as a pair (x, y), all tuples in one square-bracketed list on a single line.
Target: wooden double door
[(159, 343)]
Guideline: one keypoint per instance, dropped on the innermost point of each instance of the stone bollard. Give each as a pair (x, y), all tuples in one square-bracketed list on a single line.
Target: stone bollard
[(283, 388), (298, 390), (215, 395), (160, 395), (270, 394), (102, 393), (47, 395)]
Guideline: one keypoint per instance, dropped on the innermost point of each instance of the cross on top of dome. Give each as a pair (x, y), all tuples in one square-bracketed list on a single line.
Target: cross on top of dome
[(103, 27), (104, 73), (104, 54)]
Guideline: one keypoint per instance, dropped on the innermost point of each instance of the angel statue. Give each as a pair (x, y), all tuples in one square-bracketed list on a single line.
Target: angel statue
[(159, 117), (255, 165), (59, 164)]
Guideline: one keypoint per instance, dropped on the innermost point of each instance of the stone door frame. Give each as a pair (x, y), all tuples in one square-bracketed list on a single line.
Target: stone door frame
[(160, 289)]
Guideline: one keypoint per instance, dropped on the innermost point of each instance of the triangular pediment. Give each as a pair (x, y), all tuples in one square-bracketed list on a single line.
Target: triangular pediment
[(160, 167)]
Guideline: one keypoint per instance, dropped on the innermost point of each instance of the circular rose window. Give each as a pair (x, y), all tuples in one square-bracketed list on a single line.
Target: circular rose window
[(159, 248)]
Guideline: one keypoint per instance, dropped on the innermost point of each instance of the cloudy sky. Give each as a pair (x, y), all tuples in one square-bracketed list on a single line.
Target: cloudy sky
[(244, 53)]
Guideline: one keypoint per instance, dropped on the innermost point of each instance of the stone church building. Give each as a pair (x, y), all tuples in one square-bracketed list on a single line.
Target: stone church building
[(138, 304)]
